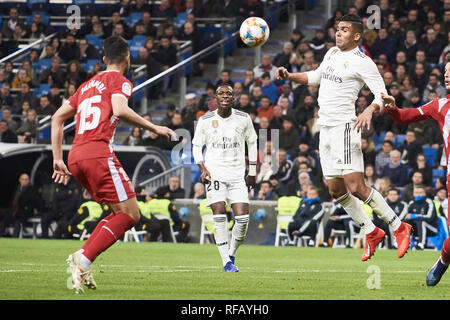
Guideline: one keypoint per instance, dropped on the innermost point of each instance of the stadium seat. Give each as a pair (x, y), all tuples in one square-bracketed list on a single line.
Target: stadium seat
[(133, 18), (38, 5), (430, 155), (90, 64), (135, 46), (437, 173), (94, 40), (86, 6), (166, 217), (41, 65), (44, 15), (132, 234), (207, 219), (282, 222), (43, 90), (399, 139)]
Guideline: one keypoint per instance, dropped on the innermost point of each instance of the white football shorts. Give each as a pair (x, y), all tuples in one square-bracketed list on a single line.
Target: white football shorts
[(234, 192), (340, 150)]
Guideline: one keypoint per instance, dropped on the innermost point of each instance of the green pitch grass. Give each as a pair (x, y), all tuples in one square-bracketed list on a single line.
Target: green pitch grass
[(36, 269)]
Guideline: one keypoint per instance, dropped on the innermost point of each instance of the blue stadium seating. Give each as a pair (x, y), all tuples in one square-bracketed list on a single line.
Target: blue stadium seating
[(44, 89), (45, 18), (399, 139), (38, 5), (430, 154), (90, 64), (442, 234), (94, 40), (41, 65), (133, 18), (437, 173)]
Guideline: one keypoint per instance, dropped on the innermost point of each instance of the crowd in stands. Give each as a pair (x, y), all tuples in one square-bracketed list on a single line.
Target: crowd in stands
[(409, 49)]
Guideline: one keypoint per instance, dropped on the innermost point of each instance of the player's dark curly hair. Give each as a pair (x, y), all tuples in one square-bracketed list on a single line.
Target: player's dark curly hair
[(116, 49), (355, 20)]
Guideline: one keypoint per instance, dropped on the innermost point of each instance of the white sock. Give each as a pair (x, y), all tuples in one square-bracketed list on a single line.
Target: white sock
[(238, 233), (221, 236), (382, 209), (354, 208), (85, 263)]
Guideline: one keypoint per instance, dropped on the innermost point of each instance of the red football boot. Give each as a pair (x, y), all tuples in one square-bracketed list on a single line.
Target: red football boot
[(372, 240), (402, 236)]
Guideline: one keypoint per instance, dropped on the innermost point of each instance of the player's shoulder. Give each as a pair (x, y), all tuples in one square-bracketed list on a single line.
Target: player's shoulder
[(208, 115), (240, 113)]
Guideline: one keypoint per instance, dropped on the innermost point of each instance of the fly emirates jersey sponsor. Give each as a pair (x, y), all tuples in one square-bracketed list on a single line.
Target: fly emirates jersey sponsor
[(341, 76), (95, 124), (225, 140)]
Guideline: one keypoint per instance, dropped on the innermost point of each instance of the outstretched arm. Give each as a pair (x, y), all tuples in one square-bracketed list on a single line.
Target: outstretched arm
[(405, 116)]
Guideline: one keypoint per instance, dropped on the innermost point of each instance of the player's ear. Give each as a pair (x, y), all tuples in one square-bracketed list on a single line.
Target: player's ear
[(104, 60)]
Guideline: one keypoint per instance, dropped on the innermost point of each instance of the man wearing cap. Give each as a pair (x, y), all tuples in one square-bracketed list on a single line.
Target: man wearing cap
[(189, 112), (394, 91)]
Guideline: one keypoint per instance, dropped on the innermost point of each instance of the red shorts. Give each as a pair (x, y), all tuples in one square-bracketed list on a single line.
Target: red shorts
[(104, 178)]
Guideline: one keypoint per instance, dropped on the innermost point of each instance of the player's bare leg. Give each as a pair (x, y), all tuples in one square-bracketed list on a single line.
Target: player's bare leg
[(125, 216), (221, 235), (358, 187), (352, 205), (241, 219)]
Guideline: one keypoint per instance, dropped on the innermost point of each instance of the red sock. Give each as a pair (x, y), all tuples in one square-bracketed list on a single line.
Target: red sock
[(445, 252), (108, 234), (98, 227)]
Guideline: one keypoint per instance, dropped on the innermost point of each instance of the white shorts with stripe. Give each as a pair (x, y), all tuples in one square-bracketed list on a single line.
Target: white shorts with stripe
[(233, 192), (340, 151)]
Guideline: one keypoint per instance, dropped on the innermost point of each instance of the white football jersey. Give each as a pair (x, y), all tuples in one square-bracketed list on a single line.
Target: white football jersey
[(225, 140), (341, 76)]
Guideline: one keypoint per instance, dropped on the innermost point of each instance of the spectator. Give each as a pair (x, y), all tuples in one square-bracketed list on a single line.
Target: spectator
[(5, 95), (225, 9), (64, 204), (75, 73), (268, 88), (368, 150), (163, 10), (442, 198), (198, 192), (9, 25), (110, 27), (285, 167), (383, 185), (383, 44), (265, 66), (69, 49), (24, 95), (307, 218), (121, 30), (7, 116), (308, 62), (282, 59), (277, 187), (21, 77), (410, 149), (176, 122), (6, 134), (169, 114), (422, 58), (305, 110), (266, 108), (189, 112), (45, 108), (277, 120), (26, 65), (434, 85), (54, 96), (173, 190), (419, 77), (289, 137), (412, 22), (370, 175), (286, 92), (48, 53), (265, 169), (56, 73), (422, 216), (28, 129), (318, 45), (225, 78), (266, 192), (189, 33), (25, 200), (135, 137), (87, 51), (396, 171), (150, 29), (338, 220), (409, 46), (406, 88), (97, 30), (244, 104), (433, 47), (416, 180), (167, 56), (249, 80), (393, 200)]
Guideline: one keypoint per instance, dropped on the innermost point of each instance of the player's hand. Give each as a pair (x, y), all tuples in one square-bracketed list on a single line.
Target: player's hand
[(166, 132), (281, 73), (363, 120), (250, 181), (334, 218), (60, 172), (206, 176), (389, 101)]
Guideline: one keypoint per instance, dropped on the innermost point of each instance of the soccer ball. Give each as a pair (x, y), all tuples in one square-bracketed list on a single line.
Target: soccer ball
[(254, 31)]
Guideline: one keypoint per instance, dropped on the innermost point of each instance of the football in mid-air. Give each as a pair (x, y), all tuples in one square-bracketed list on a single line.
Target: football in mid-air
[(254, 31)]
